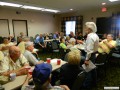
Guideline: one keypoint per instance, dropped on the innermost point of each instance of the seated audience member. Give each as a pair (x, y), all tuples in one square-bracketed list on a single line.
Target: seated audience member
[(5, 45), (21, 45), (67, 40), (62, 43), (12, 39), (118, 43), (22, 35), (70, 70), (104, 36), (80, 36), (14, 62), (71, 35), (41, 78), (40, 41), (62, 35), (107, 44), (76, 35), (46, 36), (28, 54), (55, 35), (72, 43)]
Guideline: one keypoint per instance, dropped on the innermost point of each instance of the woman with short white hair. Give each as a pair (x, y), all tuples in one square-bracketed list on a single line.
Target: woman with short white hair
[(91, 47), (72, 42)]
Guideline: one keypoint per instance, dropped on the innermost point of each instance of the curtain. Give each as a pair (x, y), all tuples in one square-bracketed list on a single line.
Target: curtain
[(115, 25), (79, 23)]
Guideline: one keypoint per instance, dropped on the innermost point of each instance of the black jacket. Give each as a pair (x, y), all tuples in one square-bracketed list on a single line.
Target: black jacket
[(68, 74)]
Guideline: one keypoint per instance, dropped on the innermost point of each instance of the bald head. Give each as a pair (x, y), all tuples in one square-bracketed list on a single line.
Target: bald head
[(14, 52)]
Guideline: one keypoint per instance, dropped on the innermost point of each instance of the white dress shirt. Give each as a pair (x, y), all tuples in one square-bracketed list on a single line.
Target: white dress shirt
[(92, 43)]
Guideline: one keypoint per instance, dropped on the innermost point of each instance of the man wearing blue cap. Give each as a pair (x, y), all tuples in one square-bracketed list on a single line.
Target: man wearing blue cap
[(41, 78)]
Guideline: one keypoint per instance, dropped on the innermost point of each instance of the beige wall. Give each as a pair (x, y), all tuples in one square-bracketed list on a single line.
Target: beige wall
[(46, 22), (37, 22), (89, 14)]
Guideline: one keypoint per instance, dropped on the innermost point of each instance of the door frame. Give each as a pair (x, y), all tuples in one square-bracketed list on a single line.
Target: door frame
[(8, 25), (19, 20)]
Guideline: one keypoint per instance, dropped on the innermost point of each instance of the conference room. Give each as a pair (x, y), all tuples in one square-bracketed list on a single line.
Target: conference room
[(59, 45)]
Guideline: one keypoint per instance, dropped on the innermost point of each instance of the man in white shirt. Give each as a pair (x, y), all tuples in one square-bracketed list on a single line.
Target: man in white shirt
[(91, 47)]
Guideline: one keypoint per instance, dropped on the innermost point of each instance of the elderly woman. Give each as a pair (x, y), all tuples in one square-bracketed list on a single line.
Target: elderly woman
[(91, 47), (67, 40), (70, 70), (72, 43)]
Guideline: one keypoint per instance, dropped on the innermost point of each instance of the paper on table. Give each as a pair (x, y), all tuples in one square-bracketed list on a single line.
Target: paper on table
[(89, 67)]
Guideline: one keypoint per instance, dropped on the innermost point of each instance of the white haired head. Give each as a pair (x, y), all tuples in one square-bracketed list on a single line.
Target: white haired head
[(27, 44), (72, 40), (92, 26)]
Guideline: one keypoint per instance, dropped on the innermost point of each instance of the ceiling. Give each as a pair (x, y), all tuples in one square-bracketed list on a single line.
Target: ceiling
[(65, 5)]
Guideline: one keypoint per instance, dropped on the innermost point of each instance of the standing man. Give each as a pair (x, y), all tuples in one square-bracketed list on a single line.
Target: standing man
[(92, 43)]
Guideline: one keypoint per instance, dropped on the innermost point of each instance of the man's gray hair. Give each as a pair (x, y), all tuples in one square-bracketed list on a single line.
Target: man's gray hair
[(27, 44)]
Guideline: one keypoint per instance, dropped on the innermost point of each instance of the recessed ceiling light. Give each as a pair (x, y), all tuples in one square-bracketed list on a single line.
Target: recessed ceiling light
[(104, 3), (113, 0), (71, 9)]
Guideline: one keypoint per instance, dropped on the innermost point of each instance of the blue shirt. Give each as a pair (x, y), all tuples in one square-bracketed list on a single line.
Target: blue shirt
[(39, 39)]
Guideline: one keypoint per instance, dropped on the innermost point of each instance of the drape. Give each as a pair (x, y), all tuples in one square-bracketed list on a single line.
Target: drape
[(115, 24), (79, 23)]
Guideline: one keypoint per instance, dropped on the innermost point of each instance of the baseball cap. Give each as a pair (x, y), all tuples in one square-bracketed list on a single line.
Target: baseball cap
[(41, 73)]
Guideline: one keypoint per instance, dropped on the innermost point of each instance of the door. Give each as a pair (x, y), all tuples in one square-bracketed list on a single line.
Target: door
[(20, 26), (4, 28)]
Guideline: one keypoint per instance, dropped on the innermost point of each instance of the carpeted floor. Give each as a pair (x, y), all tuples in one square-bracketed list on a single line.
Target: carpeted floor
[(112, 73)]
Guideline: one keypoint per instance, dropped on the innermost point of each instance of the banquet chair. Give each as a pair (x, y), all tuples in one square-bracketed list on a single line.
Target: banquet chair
[(77, 85)]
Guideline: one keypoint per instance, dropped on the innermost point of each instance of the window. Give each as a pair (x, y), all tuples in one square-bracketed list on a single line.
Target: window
[(70, 26)]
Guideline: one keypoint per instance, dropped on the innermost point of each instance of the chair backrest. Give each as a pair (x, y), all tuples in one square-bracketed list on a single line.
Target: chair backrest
[(79, 81), (31, 39), (101, 58), (54, 45)]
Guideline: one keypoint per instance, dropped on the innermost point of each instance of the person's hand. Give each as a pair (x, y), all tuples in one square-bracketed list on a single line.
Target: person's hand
[(41, 61), (42, 46), (80, 41), (86, 62), (65, 87), (104, 41), (29, 76)]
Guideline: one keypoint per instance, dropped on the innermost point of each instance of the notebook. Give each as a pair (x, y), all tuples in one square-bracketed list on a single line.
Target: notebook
[(89, 67)]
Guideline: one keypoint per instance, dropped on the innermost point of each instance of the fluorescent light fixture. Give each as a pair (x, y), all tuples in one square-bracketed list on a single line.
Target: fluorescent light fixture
[(31, 7), (51, 10), (27, 7), (10, 4), (113, 0)]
